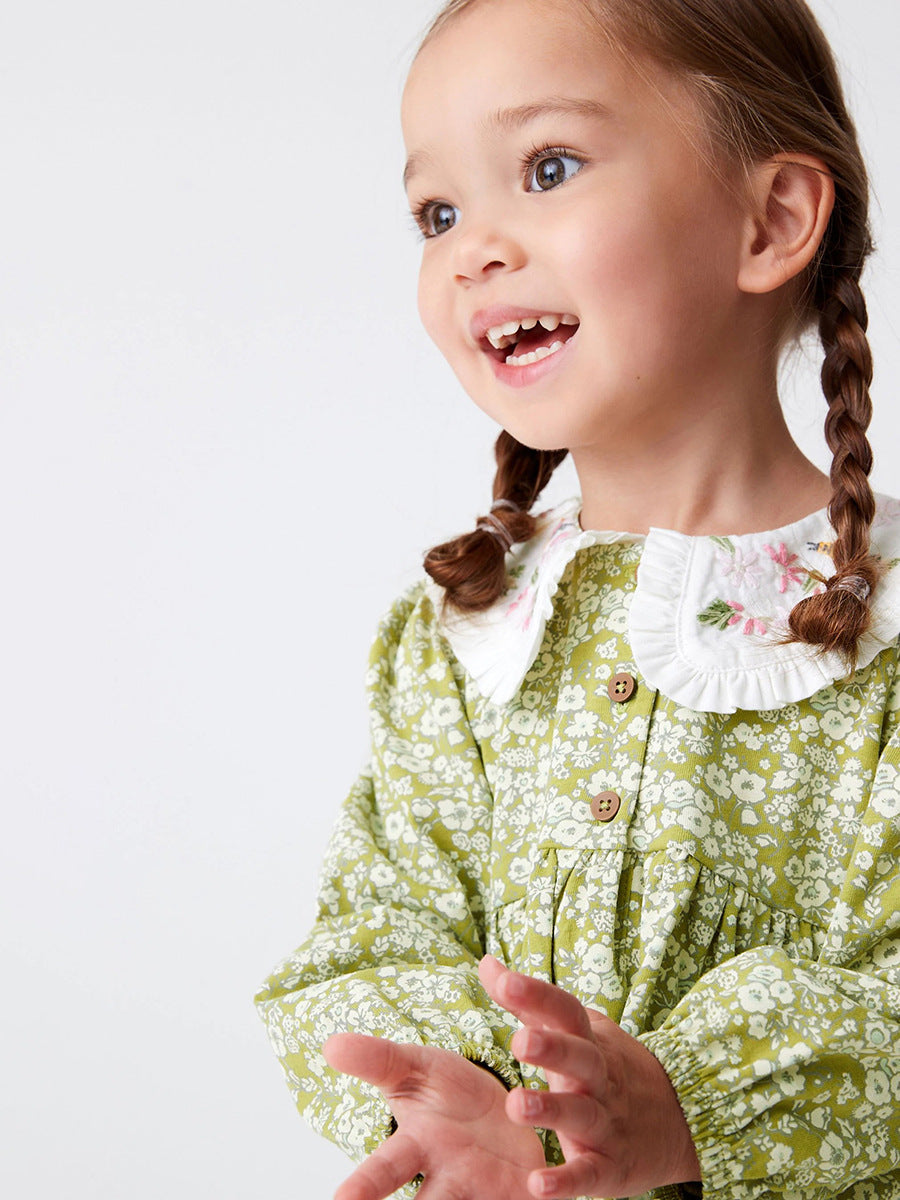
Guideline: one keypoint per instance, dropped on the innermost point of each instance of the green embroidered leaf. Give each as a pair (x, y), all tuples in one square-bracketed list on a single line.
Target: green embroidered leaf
[(718, 614), (725, 544), (809, 584)]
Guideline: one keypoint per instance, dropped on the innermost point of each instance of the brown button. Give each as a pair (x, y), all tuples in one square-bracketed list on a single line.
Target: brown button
[(621, 687), (605, 805)]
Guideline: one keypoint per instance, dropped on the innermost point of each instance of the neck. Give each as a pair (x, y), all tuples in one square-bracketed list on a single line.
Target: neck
[(721, 463)]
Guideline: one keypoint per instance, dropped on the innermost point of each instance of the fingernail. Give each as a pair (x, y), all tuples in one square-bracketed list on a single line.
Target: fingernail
[(531, 1104), (535, 1042), (515, 986), (545, 1185)]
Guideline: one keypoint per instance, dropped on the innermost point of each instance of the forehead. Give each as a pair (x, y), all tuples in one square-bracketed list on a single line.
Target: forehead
[(474, 79), (501, 54)]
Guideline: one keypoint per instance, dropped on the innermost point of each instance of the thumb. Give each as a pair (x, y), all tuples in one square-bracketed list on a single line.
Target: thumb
[(378, 1061)]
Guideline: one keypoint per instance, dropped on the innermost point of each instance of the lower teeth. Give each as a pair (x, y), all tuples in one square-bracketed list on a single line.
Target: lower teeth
[(536, 355)]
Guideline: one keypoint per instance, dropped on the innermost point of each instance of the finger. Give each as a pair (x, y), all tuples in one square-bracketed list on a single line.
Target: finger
[(579, 1117), (584, 1175), (395, 1162), (577, 1058), (489, 970), (533, 1001), (379, 1061)]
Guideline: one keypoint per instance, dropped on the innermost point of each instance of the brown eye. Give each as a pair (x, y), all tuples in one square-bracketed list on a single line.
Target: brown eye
[(438, 218), (552, 170)]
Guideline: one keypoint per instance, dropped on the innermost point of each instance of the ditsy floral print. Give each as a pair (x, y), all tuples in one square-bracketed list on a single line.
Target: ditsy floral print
[(739, 915)]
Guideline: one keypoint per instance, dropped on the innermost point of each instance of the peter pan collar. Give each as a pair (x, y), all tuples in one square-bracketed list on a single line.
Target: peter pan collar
[(704, 617)]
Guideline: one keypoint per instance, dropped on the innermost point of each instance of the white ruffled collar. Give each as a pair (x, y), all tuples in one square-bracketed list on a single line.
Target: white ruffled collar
[(703, 616)]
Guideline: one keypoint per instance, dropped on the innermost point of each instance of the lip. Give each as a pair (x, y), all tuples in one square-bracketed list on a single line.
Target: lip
[(515, 377), (520, 377), (500, 314)]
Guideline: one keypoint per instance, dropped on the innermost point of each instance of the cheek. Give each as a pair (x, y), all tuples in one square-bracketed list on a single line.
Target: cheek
[(432, 304), (644, 263), (610, 246)]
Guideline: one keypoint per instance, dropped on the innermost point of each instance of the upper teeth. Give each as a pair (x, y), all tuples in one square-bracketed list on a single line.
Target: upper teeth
[(501, 336)]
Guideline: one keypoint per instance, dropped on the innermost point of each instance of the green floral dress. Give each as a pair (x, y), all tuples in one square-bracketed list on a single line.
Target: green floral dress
[(735, 904)]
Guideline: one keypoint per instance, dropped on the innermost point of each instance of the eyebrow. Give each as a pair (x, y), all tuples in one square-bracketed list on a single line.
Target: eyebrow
[(507, 119)]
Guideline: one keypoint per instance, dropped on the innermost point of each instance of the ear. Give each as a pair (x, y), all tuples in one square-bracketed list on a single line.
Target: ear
[(793, 198)]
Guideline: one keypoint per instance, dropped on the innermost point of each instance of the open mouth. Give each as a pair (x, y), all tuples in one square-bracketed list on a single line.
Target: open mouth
[(530, 339)]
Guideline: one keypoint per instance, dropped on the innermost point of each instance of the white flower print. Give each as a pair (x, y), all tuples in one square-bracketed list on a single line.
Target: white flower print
[(750, 736), (707, 937), (571, 698), (750, 787), (583, 725), (755, 997), (835, 724)]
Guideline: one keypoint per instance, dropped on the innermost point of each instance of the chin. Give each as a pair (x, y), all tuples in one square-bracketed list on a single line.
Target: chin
[(538, 443)]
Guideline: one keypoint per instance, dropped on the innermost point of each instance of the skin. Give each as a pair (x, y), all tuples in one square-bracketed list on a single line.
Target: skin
[(610, 1101), (667, 400)]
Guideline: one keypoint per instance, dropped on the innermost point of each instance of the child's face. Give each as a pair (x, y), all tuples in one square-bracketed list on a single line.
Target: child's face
[(542, 203)]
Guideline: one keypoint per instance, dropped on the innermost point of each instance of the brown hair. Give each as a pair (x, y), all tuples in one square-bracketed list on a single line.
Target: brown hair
[(765, 81), (472, 568)]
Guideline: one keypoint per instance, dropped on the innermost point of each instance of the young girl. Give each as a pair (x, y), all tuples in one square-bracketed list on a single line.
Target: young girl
[(634, 784)]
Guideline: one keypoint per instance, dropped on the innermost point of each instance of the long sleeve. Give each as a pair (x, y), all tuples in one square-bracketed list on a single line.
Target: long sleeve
[(399, 932), (788, 1069)]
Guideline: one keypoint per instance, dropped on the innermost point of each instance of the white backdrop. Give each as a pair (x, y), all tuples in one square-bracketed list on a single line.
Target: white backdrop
[(224, 446)]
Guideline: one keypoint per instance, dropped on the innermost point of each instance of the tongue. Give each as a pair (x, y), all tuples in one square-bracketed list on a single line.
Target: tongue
[(533, 339)]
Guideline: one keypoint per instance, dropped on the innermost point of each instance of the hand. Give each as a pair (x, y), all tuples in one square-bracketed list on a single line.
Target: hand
[(452, 1125), (612, 1105)]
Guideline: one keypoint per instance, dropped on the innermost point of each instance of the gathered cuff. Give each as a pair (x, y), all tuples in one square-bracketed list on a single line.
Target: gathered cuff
[(713, 1132)]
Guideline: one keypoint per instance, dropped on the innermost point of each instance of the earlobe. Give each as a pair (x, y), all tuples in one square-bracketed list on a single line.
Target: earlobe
[(794, 199)]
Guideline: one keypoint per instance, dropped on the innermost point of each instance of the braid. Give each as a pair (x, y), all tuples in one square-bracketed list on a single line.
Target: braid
[(836, 618), (472, 568), (766, 82)]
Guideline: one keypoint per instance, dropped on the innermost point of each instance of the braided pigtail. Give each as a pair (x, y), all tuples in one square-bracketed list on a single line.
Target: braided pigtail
[(838, 617), (472, 568), (765, 82)]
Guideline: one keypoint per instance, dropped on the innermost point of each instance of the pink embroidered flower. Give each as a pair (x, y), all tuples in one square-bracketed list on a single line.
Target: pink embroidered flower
[(738, 609), (525, 600), (745, 569), (564, 531), (886, 513), (790, 574), (751, 624)]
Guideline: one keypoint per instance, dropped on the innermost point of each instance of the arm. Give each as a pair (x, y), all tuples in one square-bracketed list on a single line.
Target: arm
[(788, 1067), (395, 947)]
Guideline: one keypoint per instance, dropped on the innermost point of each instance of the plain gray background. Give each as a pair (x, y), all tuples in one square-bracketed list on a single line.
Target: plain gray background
[(224, 446)]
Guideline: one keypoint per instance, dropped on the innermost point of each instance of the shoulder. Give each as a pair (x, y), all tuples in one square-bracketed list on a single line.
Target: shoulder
[(710, 614), (410, 647), (498, 646), (705, 618)]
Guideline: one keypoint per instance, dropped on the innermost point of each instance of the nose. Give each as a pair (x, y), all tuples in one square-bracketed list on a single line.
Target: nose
[(484, 249)]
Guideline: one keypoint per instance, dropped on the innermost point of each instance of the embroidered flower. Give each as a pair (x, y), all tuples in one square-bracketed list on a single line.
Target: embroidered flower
[(744, 569), (564, 531), (790, 575), (753, 625), (737, 609), (723, 614), (524, 601)]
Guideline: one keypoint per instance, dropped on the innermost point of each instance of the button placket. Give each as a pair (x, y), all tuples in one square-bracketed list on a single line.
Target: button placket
[(611, 798)]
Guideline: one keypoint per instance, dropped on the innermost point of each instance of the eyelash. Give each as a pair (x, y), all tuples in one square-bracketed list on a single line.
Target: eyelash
[(527, 166), (532, 157)]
